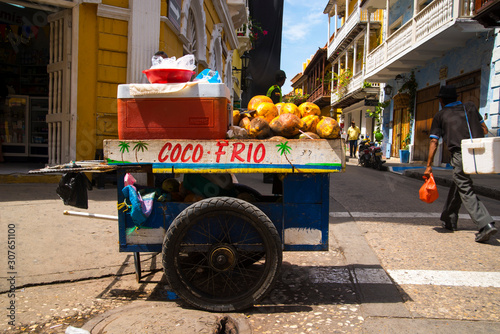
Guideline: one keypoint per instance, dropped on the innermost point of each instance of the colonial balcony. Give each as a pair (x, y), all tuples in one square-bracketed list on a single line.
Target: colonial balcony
[(354, 92), (355, 23), (321, 95), (438, 28), (488, 12)]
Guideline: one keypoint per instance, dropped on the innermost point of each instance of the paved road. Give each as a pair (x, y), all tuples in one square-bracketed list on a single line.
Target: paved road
[(440, 275), (382, 237)]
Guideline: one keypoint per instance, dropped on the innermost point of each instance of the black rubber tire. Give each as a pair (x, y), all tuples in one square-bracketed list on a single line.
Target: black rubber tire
[(205, 250)]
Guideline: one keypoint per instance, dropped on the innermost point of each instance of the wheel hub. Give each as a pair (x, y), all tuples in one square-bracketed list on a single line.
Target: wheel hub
[(222, 258)]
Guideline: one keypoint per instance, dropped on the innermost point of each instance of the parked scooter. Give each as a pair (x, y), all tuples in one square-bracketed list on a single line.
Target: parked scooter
[(364, 156), (370, 155)]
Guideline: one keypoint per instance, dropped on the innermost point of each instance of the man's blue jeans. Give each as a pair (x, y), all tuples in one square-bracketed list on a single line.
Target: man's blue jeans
[(353, 145)]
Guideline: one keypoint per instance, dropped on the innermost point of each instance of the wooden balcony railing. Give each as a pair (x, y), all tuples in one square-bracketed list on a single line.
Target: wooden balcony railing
[(318, 92)]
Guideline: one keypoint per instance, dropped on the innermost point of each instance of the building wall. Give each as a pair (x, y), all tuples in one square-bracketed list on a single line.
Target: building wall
[(494, 92), (403, 9), (87, 82), (169, 42), (460, 61), (116, 3), (102, 53)]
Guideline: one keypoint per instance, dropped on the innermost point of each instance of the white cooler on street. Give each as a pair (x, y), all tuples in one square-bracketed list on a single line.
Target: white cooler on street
[(481, 155)]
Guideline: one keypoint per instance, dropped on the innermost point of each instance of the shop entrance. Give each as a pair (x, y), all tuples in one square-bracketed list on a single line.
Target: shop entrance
[(24, 83)]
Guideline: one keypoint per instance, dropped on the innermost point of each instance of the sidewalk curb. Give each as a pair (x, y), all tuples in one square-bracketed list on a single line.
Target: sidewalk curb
[(442, 181)]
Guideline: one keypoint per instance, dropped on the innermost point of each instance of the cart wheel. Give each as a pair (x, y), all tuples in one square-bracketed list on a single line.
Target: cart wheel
[(207, 249)]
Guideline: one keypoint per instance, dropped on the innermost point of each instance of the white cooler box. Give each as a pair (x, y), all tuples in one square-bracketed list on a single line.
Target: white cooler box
[(481, 155)]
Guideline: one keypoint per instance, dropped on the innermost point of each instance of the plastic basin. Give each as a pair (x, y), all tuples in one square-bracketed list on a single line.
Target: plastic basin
[(168, 75)]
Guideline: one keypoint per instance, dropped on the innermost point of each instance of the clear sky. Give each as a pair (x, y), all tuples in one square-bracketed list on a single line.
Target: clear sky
[(305, 30)]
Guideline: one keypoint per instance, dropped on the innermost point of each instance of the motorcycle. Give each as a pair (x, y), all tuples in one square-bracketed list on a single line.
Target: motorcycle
[(364, 156), (370, 155)]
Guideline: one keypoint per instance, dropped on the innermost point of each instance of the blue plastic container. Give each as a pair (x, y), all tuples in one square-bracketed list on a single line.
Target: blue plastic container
[(404, 156)]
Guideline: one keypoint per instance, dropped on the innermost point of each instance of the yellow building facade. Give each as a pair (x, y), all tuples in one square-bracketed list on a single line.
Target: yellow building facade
[(92, 46)]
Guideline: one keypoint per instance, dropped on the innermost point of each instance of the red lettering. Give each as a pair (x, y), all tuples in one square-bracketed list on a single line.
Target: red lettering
[(186, 149), (262, 148), (249, 154), (167, 148), (237, 149), (176, 152), (198, 149), (221, 148)]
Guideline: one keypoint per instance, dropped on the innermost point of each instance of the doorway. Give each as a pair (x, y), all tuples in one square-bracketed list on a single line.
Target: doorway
[(401, 122), (426, 107)]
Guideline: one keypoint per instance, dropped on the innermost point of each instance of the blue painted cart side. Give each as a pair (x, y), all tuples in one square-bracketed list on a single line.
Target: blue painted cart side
[(301, 216)]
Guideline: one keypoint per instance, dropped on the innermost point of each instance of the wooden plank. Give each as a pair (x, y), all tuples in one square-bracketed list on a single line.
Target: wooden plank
[(229, 156)]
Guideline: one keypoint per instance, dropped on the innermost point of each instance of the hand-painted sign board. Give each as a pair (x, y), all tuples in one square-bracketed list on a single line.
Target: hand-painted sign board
[(229, 156)]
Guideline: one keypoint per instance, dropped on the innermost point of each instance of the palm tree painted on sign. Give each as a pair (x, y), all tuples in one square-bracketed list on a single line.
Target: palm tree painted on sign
[(124, 146), (140, 146), (283, 149)]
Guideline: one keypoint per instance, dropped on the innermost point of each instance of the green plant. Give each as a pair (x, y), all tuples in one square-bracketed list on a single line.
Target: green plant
[(366, 84), (406, 142), (296, 98), (327, 78), (376, 115), (343, 81)]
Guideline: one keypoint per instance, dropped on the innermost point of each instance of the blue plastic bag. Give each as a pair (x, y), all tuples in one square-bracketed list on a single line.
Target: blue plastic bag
[(210, 75)]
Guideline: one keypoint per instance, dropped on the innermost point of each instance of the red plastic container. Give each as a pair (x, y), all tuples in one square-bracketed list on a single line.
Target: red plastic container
[(202, 111), (168, 75)]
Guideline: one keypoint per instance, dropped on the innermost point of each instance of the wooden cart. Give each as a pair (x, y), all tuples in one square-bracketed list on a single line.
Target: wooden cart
[(223, 253)]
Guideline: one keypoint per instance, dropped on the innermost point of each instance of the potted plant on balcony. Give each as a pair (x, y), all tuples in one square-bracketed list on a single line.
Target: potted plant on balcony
[(296, 98), (343, 81), (253, 30)]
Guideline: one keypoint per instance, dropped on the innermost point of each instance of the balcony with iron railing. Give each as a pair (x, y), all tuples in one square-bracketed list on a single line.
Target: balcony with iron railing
[(356, 89), (354, 24), (439, 27)]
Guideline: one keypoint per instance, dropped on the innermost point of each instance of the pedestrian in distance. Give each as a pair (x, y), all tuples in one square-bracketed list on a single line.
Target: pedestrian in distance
[(274, 92), (452, 124), (353, 133)]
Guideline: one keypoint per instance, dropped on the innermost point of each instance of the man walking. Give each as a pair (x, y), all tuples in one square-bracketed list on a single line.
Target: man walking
[(352, 135), (453, 123)]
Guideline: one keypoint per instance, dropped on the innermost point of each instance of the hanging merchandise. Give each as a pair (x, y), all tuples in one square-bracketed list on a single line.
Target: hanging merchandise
[(72, 190), (137, 205)]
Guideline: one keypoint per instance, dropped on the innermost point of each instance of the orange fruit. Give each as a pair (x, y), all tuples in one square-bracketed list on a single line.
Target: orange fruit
[(290, 108), (287, 125), (236, 117), (256, 100), (328, 128), (309, 108), (267, 111), (311, 122)]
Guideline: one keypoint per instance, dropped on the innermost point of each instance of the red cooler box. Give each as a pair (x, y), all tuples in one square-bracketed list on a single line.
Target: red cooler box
[(200, 111)]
